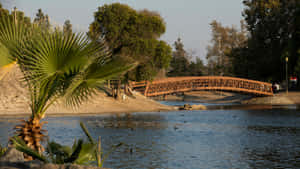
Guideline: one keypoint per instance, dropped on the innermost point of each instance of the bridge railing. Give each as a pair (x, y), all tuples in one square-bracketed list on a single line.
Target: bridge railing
[(181, 84)]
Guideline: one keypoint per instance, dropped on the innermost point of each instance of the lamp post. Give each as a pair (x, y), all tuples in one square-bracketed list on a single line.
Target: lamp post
[(286, 74), (221, 56)]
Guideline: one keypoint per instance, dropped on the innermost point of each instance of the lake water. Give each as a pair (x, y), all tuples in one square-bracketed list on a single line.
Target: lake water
[(217, 138)]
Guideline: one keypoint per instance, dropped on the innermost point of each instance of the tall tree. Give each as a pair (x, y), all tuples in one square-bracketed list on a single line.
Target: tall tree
[(196, 68), (42, 20), (182, 63), (273, 36), (179, 63), (3, 11), (133, 35), (67, 27), (224, 39), (15, 15)]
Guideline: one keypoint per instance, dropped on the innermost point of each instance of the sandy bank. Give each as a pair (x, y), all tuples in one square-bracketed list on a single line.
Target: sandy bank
[(210, 97), (292, 98), (15, 100)]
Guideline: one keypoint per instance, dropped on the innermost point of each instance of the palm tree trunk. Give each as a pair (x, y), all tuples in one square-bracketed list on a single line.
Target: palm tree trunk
[(32, 133)]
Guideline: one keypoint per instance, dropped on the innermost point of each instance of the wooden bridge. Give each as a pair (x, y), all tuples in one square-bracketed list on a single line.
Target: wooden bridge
[(184, 84)]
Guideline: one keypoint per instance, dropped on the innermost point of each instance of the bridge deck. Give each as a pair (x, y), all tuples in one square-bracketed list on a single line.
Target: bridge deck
[(183, 84)]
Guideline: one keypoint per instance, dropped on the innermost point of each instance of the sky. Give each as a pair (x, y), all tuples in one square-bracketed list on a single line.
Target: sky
[(188, 19)]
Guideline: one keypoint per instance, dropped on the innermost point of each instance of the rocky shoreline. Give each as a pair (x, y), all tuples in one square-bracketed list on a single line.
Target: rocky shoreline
[(13, 159)]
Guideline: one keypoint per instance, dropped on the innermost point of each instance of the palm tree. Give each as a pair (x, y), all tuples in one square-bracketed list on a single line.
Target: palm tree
[(11, 34), (82, 152), (55, 65)]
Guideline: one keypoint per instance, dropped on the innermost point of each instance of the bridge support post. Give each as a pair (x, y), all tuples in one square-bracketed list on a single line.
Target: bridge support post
[(164, 97)]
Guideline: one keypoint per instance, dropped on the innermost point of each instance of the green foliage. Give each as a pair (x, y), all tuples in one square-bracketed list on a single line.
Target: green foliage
[(15, 15), (224, 39), (42, 20), (58, 65), (81, 152), (67, 27), (133, 35), (21, 146), (11, 35), (180, 64), (274, 34), (13, 30), (2, 150), (5, 57), (196, 68)]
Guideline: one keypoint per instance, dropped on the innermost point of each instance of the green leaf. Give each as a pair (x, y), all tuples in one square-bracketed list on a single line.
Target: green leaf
[(86, 132), (21, 146)]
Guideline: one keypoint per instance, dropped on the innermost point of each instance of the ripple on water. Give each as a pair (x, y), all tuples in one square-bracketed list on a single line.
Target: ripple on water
[(268, 138)]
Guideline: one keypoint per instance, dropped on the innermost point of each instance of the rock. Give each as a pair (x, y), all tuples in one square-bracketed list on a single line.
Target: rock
[(198, 107), (12, 155), (192, 107), (185, 107), (66, 166)]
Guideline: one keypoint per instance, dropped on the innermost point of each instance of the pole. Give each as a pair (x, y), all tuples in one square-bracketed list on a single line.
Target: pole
[(221, 56), (286, 75), (15, 15)]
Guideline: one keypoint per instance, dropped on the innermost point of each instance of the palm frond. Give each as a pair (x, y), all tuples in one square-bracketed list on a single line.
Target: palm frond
[(56, 64), (87, 133), (2, 150), (92, 78), (21, 146), (12, 35), (86, 155), (76, 152), (5, 57)]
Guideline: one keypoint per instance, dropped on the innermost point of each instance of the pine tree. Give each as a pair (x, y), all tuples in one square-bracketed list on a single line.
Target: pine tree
[(179, 63), (67, 27), (42, 20)]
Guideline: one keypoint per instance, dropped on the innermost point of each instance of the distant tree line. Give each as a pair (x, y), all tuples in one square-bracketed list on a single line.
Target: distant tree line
[(181, 63), (258, 49)]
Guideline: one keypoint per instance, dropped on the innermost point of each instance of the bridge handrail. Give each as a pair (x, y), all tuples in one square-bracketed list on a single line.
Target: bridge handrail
[(172, 79), (239, 85)]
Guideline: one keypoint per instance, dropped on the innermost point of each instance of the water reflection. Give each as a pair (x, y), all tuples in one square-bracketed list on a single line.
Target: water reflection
[(140, 133), (272, 143), (129, 121)]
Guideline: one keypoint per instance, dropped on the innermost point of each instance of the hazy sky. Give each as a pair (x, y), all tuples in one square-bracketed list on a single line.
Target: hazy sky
[(187, 19)]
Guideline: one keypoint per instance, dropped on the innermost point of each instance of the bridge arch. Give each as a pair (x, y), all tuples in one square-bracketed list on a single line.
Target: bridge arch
[(183, 84)]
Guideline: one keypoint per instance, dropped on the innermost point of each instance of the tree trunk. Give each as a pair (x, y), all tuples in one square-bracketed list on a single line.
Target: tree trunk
[(32, 133)]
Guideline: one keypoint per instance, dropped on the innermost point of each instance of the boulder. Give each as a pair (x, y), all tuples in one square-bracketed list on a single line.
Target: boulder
[(12, 155), (192, 107), (199, 107)]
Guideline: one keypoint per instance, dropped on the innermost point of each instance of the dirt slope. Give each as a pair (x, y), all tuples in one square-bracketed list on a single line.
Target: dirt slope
[(14, 99)]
